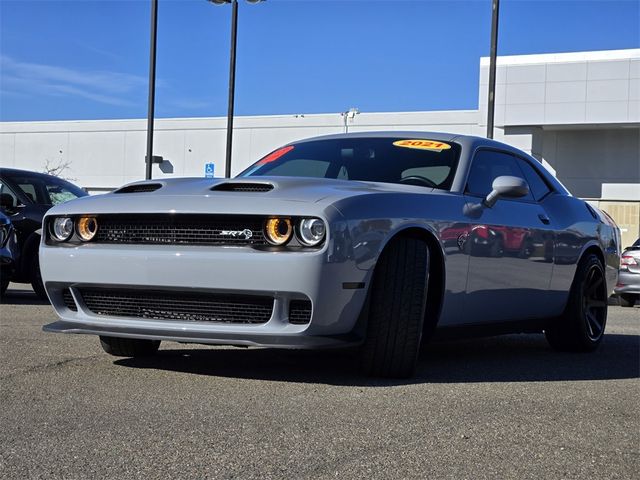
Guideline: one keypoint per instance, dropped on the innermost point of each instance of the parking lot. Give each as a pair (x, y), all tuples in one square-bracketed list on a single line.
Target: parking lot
[(503, 407)]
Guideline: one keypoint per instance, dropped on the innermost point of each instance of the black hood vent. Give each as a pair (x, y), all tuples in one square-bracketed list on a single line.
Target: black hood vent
[(140, 188), (242, 187)]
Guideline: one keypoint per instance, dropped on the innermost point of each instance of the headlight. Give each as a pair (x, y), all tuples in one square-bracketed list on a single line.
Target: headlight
[(62, 229), (278, 230), (86, 228), (311, 231)]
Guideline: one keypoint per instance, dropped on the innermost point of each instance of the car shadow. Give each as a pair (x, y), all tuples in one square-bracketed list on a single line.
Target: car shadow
[(512, 358), (21, 297)]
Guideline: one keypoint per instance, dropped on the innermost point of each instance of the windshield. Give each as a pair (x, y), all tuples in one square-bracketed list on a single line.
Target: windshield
[(46, 189), (428, 163)]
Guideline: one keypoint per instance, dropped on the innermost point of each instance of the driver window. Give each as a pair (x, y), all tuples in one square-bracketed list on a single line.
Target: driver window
[(486, 167)]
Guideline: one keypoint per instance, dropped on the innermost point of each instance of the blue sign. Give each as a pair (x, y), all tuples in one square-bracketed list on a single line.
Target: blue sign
[(208, 170)]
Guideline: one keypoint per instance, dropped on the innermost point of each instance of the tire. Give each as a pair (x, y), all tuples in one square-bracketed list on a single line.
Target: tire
[(4, 284), (129, 347), (581, 327), (36, 278), (627, 299), (396, 310)]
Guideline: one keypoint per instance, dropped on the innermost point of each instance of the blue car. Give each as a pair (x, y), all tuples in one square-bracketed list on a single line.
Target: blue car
[(8, 252)]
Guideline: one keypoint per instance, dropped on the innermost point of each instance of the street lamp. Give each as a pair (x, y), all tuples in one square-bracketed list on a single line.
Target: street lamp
[(232, 75), (149, 159), (495, 11)]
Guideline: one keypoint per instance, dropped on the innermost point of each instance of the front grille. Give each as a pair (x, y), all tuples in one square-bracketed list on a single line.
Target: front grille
[(180, 306), (243, 187), (299, 312), (181, 229), (68, 300)]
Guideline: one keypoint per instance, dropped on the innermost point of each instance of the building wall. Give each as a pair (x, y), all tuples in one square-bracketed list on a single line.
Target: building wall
[(564, 88), (595, 162), (107, 154), (626, 215)]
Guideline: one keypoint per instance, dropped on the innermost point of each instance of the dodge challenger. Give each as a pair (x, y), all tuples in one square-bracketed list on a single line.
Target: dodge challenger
[(375, 241)]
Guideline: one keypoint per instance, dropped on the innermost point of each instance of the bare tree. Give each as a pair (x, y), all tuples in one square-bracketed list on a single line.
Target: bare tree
[(57, 169)]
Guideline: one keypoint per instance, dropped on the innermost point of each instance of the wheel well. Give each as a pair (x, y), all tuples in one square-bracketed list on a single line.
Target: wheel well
[(436, 285), (596, 251)]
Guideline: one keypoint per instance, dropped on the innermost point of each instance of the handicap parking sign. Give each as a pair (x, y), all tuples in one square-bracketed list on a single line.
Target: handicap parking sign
[(208, 170)]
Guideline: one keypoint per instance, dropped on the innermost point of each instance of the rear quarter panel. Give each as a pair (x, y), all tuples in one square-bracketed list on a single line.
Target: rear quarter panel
[(576, 231)]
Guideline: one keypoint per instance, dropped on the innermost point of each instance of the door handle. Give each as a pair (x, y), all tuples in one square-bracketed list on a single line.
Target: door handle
[(544, 219)]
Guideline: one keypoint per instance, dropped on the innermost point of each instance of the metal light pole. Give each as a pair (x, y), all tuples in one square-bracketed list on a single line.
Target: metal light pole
[(152, 87), (232, 86), (232, 77), (495, 5)]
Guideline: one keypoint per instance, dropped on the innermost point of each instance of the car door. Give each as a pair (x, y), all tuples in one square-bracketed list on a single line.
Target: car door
[(510, 246)]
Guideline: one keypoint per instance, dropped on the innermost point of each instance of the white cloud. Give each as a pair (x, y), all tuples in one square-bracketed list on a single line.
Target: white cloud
[(112, 88)]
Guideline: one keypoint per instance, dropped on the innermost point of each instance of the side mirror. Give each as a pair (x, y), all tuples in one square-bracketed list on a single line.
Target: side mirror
[(6, 201), (507, 187)]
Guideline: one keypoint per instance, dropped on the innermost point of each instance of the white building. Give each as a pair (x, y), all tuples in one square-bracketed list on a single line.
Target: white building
[(579, 113)]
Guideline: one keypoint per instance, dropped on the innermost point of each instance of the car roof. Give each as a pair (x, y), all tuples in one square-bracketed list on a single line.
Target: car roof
[(16, 171), (409, 134)]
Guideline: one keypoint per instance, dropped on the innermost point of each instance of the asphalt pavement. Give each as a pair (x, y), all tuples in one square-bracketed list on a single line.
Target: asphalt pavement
[(504, 407)]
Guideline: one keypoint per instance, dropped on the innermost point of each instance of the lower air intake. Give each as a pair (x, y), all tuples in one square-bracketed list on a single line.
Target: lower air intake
[(179, 306), (68, 300), (300, 312)]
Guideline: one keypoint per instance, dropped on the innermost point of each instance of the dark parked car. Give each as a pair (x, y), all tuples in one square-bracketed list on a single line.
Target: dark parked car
[(628, 286), (24, 198), (8, 252)]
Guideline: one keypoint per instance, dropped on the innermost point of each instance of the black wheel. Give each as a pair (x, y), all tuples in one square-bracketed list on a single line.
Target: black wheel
[(396, 310), (129, 347), (4, 284), (36, 278), (627, 299), (581, 327)]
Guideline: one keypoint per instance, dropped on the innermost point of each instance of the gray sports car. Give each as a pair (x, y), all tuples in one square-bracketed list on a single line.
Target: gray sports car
[(368, 240)]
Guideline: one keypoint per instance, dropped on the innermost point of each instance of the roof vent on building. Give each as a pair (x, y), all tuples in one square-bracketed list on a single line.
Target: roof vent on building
[(139, 188), (242, 187)]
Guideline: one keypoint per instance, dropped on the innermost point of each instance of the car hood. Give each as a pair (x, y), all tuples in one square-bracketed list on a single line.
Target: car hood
[(283, 195)]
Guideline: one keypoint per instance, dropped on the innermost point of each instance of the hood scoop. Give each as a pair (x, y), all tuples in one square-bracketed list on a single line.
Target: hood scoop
[(242, 187), (139, 188)]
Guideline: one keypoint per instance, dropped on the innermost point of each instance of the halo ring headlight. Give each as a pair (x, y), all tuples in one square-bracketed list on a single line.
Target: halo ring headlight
[(62, 229), (278, 230), (86, 227), (311, 231)]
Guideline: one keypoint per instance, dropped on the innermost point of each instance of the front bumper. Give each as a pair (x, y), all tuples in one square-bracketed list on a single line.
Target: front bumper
[(284, 276)]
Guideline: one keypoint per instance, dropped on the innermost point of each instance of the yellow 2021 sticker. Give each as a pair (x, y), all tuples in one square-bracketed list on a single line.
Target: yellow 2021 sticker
[(432, 145)]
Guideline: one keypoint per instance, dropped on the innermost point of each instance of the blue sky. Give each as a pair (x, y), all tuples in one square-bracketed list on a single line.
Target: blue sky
[(62, 60)]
